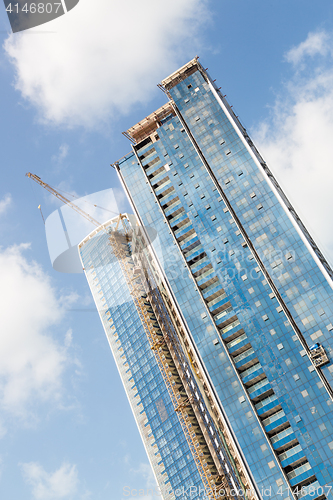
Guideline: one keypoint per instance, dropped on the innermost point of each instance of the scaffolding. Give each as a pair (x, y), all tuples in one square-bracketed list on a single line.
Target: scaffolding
[(210, 452)]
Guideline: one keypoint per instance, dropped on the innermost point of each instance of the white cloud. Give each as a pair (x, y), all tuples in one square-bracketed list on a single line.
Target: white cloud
[(60, 484), (103, 58), (142, 483), (5, 202), (31, 362), (297, 142), (316, 43), (62, 153)]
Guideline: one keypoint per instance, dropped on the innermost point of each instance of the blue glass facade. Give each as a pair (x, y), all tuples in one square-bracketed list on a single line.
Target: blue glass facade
[(250, 283), (159, 426)]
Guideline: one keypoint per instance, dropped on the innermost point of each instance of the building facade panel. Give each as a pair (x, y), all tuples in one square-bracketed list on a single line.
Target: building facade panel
[(251, 293), (158, 423)]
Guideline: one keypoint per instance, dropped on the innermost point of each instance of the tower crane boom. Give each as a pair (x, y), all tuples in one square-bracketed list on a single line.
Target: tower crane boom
[(63, 198)]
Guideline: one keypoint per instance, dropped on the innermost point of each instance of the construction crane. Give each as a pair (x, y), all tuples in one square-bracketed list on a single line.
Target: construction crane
[(174, 364), (62, 198), (40, 209)]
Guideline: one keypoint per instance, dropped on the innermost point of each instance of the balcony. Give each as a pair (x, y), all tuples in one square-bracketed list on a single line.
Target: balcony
[(240, 346), (236, 340), (199, 264), (267, 404), (299, 474), (259, 388), (274, 421), (222, 316), (272, 418), (226, 328), (291, 456), (203, 277), (183, 229), (283, 438), (242, 360), (252, 374), (310, 491)]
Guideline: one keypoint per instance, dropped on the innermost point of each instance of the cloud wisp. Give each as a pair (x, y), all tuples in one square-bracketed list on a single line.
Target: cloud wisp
[(5, 203), (60, 484), (103, 58), (62, 153), (296, 139), (32, 363), (317, 43)]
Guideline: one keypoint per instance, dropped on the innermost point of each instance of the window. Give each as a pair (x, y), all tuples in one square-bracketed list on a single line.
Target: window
[(227, 152), (253, 195), (213, 217), (296, 377)]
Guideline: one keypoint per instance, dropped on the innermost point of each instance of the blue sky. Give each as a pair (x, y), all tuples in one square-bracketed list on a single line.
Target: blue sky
[(66, 428)]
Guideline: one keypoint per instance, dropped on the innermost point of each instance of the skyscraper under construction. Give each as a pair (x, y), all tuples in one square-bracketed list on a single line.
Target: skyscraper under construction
[(218, 307)]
